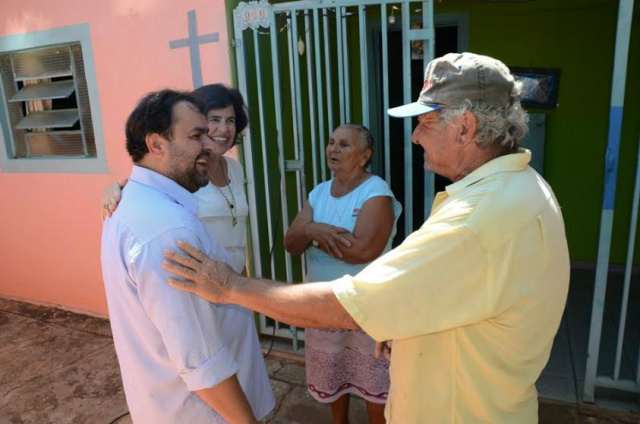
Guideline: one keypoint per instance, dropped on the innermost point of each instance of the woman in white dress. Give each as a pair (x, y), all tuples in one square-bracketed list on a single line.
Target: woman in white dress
[(347, 222), (222, 204)]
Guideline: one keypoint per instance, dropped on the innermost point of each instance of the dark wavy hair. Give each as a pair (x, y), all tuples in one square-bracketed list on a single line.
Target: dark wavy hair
[(220, 96), (154, 115)]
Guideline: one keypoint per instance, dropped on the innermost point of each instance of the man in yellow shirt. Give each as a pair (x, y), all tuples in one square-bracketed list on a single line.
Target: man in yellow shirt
[(474, 298)]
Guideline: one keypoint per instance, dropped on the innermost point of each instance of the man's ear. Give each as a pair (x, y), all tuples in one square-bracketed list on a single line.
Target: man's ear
[(468, 127), (156, 144)]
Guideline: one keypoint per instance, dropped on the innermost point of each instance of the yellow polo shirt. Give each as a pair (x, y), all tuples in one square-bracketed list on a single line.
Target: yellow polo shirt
[(472, 300)]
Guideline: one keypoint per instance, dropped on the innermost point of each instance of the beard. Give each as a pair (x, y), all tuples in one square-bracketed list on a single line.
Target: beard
[(189, 174)]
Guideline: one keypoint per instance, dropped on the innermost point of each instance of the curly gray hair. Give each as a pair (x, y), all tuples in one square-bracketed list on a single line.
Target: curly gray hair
[(501, 128)]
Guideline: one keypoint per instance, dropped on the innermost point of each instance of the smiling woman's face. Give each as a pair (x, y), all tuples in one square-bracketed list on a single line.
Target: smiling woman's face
[(344, 151), (222, 128)]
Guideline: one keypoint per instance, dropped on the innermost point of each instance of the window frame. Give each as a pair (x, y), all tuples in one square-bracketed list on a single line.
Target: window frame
[(64, 35)]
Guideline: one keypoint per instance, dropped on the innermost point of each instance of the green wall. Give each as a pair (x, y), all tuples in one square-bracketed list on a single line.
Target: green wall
[(578, 37)]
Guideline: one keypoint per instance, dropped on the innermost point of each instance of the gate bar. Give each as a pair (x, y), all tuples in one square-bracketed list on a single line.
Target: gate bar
[(429, 52), (621, 55), (340, 65), (364, 69), (279, 127), (385, 94), (344, 15), (316, 37), (408, 145), (297, 112), (298, 138), (627, 271), (263, 138), (312, 99), (292, 17), (248, 158), (609, 383), (300, 174), (327, 65)]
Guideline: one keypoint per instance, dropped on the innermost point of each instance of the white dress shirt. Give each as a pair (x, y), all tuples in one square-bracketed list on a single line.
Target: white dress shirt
[(171, 343)]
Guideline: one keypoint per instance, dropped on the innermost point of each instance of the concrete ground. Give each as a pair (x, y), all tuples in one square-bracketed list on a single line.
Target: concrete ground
[(61, 367)]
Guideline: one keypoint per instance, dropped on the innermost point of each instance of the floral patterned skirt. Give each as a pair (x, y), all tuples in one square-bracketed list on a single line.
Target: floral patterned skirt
[(340, 362)]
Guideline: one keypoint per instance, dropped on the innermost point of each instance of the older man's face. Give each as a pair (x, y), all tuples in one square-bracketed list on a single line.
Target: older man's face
[(439, 152)]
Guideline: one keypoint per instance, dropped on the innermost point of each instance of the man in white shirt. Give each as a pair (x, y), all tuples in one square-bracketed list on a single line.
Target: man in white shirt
[(182, 359)]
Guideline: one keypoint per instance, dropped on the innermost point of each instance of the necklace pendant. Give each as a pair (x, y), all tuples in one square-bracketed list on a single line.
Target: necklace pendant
[(234, 221)]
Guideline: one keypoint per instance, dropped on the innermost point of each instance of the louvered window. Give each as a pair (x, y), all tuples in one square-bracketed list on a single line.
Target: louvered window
[(47, 103)]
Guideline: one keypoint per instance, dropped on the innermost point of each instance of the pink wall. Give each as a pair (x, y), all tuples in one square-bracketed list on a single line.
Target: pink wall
[(50, 223)]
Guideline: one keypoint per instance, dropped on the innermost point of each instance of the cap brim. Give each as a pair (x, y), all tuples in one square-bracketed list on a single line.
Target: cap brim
[(412, 109)]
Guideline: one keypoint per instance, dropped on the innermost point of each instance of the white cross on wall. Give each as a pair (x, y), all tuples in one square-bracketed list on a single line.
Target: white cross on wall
[(193, 42)]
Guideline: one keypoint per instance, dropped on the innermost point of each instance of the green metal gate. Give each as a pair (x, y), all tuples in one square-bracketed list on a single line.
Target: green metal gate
[(306, 67)]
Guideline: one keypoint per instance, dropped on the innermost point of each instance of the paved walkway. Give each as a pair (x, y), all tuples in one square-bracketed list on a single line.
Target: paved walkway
[(61, 367)]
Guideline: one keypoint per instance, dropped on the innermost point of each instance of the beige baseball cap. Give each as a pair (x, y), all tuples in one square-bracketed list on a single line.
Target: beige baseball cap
[(450, 79)]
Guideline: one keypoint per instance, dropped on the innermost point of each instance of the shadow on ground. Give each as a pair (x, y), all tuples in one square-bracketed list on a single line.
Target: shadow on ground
[(60, 367)]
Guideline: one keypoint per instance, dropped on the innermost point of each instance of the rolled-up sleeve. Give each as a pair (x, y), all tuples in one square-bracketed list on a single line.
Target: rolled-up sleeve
[(434, 281), (188, 325)]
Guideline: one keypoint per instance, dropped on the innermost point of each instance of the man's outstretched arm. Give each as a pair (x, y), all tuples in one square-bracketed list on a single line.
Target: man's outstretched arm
[(303, 305)]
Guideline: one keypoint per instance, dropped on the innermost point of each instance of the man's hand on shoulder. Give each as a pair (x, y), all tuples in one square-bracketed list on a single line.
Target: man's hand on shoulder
[(206, 277)]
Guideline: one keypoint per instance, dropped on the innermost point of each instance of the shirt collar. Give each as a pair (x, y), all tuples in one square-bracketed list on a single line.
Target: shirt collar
[(166, 185), (507, 163)]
